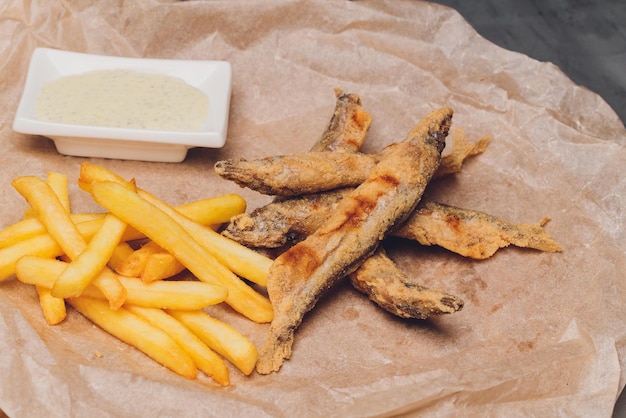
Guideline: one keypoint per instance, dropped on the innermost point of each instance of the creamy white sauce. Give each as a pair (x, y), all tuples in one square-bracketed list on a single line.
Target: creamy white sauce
[(123, 99)]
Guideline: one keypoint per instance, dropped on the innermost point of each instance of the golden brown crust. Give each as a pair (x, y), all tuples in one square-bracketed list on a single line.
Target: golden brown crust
[(471, 233), (387, 286), (299, 276)]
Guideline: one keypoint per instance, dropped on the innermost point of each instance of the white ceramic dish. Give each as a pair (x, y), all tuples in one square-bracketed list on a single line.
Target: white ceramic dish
[(211, 77)]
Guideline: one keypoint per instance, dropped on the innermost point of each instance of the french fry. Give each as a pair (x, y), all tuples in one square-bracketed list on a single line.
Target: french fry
[(30, 227), (214, 210), (205, 359), (58, 184), (185, 295), (134, 264), (168, 234), (86, 266), (161, 266), (220, 337), (120, 253), (51, 213), (241, 260), (40, 245), (150, 263), (60, 226), (53, 308), (113, 290), (69, 258), (136, 331)]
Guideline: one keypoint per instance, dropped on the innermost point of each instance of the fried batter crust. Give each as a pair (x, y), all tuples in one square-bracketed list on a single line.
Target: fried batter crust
[(467, 232), (387, 286), (300, 275), (317, 171)]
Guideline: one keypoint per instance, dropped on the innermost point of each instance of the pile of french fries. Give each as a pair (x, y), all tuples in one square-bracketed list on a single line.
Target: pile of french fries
[(113, 267)]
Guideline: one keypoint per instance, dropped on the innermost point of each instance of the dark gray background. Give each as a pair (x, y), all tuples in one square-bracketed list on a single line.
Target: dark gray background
[(585, 38)]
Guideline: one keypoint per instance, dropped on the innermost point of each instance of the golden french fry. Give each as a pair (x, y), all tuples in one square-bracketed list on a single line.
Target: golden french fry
[(53, 308), (185, 295), (40, 245), (214, 210), (241, 260), (161, 266), (168, 234), (28, 228), (221, 337), (137, 332), (51, 213), (205, 359), (60, 226), (58, 183), (90, 262), (109, 284), (31, 227), (134, 264), (120, 253)]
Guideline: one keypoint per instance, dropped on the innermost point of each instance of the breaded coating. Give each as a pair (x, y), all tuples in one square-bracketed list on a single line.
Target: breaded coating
[(297, 174), (312, 172), (467, 232), (300, 275), (471, 233), (387, 286)]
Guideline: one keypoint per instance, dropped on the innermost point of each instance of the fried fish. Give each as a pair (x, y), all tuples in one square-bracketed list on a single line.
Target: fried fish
[(300, 275), (387, 286), (467, 232), (317, 170)]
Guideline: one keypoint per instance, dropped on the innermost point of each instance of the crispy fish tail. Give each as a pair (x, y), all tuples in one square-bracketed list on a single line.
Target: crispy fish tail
[(387, 286), (299, 276), (461, 149)]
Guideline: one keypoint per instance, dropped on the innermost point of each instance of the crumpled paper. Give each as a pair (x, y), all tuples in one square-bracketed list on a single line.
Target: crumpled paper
[(540, 334)]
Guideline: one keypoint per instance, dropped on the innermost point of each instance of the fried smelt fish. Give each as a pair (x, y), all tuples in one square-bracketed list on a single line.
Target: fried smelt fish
[(285, 221), (387, 286), (313, 172), (472, 233), (300, 275), (335, 153), (295, 174), (467, 232), (348, 126)]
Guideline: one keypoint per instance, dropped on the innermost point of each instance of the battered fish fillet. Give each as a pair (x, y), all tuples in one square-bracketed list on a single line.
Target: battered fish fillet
[(467, 232), (300, 275), (317, 171), (387, 286)]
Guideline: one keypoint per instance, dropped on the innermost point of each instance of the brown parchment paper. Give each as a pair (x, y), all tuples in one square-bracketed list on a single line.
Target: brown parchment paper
[(540, 334)]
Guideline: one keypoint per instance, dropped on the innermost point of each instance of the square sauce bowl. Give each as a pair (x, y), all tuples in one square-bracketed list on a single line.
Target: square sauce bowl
[(213, 78)]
